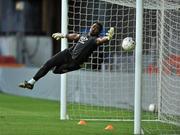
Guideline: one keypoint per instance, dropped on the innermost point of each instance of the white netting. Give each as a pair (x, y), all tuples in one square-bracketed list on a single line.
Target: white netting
[(169, 44), (104, 88), (105, 84), (148, 4)]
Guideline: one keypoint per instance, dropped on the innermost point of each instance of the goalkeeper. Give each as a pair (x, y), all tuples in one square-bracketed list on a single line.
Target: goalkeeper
[(71, 58)]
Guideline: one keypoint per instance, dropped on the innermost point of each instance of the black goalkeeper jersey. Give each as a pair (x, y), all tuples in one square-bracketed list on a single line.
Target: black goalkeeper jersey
[(83, 48)]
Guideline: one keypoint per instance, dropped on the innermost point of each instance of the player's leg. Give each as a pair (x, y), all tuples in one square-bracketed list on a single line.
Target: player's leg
[(59, 59), (66, 68)]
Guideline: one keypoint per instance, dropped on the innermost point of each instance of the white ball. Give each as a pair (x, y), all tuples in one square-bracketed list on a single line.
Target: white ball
[(128, 44), (152, 107)]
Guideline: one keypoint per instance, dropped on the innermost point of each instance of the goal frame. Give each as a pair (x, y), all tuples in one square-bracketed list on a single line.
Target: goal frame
[(138, 63), (64, 44), (138, 66)]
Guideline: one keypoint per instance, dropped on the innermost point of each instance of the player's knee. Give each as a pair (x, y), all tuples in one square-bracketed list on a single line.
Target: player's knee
[(47, 66), (57, 71), (48, 63)]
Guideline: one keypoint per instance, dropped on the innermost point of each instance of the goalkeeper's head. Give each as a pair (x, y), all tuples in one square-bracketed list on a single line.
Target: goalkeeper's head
[(96, 29)]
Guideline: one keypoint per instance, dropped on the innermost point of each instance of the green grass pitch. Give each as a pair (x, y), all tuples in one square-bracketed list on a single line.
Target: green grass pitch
[(28, 116)]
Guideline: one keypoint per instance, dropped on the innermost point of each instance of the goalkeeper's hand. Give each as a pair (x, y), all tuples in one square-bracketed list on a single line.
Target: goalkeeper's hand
[(58, 36), (110, 33)]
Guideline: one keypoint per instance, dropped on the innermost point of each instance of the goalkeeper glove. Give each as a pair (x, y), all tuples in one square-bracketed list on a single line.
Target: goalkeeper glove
[(110, 33), (58, 36)]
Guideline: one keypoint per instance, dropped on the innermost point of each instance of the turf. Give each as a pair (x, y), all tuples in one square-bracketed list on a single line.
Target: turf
[(28, 116)]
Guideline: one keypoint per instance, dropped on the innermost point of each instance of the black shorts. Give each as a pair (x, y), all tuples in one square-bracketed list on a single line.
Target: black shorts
[(63, 62), (60, 63)]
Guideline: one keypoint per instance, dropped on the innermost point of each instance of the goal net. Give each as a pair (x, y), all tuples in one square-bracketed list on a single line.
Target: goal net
[(104, 88), (169, 62)]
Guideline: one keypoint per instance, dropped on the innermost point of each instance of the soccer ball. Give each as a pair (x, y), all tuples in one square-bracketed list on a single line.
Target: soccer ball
[(128, 44), (152, 107)]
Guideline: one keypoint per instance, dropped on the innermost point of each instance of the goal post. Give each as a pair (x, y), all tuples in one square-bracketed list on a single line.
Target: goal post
[(138, 66), (64, 45)]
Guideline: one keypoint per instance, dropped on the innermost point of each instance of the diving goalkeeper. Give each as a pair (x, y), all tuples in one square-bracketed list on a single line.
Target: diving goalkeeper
[(71, 58)]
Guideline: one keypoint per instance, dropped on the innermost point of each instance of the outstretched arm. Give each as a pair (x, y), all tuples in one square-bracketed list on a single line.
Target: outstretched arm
[(106, 38), (71, 37)]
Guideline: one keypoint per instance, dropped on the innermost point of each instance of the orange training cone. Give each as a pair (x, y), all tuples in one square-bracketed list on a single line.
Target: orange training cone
[(109, 127), (82, 122)]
